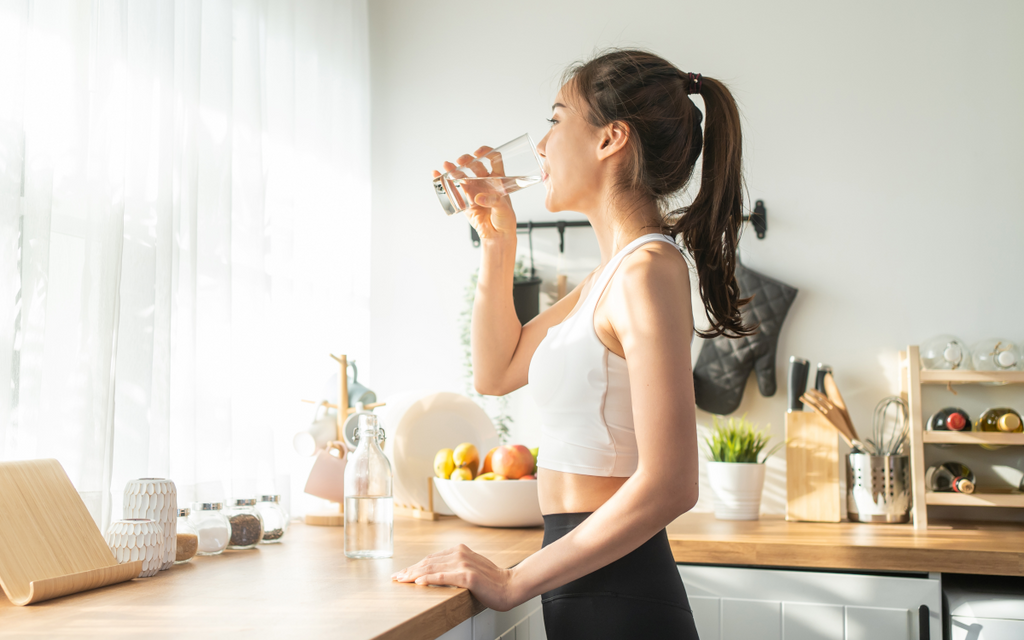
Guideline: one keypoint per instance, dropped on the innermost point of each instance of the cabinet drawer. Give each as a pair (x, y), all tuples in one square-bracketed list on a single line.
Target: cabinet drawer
[(731, 603)]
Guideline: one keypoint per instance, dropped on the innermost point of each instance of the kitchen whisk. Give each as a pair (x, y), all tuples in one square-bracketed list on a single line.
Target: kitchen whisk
[(889, 426)]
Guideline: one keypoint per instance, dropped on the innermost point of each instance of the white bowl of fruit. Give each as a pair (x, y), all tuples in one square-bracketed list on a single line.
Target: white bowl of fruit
[(499, 492)]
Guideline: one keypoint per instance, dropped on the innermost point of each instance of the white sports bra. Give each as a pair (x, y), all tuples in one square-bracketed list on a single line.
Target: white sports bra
[(582, 390)]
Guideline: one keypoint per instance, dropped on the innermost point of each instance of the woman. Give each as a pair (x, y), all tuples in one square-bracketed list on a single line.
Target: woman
[(610, 362)]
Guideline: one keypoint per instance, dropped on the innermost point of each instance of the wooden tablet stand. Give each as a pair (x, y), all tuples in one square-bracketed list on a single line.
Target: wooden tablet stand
[(49, 544)]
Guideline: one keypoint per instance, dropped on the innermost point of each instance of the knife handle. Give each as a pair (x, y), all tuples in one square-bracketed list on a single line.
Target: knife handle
[(819, 379), (798, 370)]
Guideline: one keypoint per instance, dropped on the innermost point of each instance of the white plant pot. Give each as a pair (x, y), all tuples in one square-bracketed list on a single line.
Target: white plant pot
[(131, 540), (155, 499), (737, 487)]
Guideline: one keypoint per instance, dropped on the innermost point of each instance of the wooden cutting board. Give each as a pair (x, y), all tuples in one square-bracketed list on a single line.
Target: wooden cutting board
[(49, 544)]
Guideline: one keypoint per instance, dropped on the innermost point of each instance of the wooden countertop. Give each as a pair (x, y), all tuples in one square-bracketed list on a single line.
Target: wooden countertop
[(305, 587), (986, 549)]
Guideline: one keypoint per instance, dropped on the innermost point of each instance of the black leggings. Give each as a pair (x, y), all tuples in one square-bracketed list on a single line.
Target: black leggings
[(638, 596)]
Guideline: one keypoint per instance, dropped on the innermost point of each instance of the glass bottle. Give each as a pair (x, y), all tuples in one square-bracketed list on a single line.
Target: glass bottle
[(188, 539), (369, 506), (275, 518), (996, 355), (951, 477), (211, 526), (945, 352), (1001, 419), (246, 524), (950, 419)]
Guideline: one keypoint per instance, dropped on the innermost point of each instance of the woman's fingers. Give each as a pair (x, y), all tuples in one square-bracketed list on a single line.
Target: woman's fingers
[(497, 163), (446, 578)]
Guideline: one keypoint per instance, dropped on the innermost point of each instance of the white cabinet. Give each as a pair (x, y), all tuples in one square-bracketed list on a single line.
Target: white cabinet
[(731, 603), (525, 622), (985, 607)]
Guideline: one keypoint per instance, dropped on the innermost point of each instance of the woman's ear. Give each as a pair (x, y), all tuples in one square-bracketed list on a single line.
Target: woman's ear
[(613, 139)]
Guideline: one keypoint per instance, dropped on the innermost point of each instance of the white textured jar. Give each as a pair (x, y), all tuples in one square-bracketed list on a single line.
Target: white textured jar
[(137, 539), (155, 499)]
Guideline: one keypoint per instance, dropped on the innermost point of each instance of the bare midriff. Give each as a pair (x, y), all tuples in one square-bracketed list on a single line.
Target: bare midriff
[(562, 492)]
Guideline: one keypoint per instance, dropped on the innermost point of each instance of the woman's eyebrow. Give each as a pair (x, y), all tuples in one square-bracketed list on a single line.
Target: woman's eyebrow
[(556, 105)]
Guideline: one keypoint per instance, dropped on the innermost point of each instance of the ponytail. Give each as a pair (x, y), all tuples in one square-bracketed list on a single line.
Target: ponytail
[(710, 226)]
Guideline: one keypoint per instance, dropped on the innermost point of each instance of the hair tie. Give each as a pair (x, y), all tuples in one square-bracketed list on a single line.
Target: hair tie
[(696, 82)]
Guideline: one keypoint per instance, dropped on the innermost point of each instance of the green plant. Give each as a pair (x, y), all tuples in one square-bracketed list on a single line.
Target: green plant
[(738, 440), (521, 272)]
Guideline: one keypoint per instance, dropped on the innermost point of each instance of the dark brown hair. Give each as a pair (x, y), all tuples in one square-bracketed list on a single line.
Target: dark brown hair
[(651, 96)]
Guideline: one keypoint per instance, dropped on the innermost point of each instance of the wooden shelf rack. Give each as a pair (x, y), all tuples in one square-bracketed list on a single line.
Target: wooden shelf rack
[(912, 377)]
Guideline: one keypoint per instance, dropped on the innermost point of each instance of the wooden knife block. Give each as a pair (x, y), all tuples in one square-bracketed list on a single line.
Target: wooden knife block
[(813, 492)]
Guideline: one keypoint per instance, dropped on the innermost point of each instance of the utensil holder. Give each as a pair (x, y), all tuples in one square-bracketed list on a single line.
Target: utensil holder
[(878, 488)]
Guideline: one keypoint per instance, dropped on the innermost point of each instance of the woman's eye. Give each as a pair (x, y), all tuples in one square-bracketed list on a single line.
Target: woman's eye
[(552, 121)]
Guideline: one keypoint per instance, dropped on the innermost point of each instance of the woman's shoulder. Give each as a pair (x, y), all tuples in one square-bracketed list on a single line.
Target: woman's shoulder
[(653, 264)]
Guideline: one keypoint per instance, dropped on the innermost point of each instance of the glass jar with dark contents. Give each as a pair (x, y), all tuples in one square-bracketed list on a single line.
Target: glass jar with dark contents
[(275, 518), (246, 524)]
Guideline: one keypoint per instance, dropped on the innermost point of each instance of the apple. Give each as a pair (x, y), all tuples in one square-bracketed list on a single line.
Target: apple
[(487, 461), (529, 477), (462, 473), (512, 461), (490, 475)]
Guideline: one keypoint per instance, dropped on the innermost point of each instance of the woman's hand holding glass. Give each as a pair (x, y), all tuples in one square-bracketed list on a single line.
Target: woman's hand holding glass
[(489, 213)]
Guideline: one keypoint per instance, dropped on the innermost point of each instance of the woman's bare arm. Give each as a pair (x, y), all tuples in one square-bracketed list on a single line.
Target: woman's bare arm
[(502, 348)]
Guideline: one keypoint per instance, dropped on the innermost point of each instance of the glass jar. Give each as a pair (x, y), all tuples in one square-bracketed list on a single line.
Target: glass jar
[(212, 527), (188, 539), (275, 518), (246, 524), (369, 505), (945, 352), (997, 355)]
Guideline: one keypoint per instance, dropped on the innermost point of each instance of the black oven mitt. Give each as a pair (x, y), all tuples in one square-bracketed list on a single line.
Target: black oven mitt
[(724, 363)]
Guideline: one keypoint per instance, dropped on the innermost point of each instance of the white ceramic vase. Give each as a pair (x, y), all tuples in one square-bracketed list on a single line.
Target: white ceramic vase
[(737, 487), (137, 539), (155, 499)]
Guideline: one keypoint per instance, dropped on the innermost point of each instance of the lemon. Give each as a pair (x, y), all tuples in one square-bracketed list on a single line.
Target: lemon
[(444, 463)]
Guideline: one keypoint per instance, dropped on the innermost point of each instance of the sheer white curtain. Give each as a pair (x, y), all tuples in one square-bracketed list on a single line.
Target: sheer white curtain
[(184, 226)]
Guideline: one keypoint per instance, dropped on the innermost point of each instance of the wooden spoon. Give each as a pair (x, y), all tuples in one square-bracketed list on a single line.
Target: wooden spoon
[(820, 403)]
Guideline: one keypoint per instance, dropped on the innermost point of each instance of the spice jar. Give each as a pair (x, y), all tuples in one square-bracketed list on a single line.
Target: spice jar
[(188, 539), (275, 519), (246, 524), (212, 527)]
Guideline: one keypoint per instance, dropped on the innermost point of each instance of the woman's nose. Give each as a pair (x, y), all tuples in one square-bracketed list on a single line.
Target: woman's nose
[(541, 146)]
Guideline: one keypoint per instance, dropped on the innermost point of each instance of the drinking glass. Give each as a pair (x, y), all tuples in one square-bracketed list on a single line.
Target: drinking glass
[(513, 166)]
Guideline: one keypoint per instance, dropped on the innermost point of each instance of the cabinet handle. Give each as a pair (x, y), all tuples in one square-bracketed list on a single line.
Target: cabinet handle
[(924, 624)]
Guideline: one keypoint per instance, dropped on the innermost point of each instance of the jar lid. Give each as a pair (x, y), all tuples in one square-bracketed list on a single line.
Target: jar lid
[(184, 512), (210, 506), (245, 502), (270, 498)]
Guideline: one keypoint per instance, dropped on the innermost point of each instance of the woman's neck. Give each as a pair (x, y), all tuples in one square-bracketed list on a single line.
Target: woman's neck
[(616, 227)]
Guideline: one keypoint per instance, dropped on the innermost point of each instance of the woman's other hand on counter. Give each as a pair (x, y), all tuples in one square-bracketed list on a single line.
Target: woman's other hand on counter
[(462, 567)]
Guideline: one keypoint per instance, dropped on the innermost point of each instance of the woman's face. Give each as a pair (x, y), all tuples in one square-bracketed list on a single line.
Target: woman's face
[(569, 153)]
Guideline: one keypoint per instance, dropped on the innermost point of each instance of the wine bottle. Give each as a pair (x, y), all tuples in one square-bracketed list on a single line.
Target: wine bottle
[(1000, 419), (951, 477), (950, 419)]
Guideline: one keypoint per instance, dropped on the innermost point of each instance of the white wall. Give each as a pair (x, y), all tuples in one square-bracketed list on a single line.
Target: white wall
[(885, 138)]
